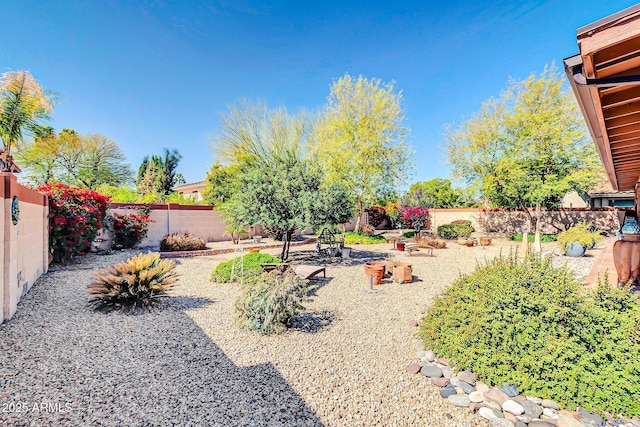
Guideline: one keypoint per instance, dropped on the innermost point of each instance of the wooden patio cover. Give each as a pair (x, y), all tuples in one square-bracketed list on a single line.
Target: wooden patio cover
[(605, 77)]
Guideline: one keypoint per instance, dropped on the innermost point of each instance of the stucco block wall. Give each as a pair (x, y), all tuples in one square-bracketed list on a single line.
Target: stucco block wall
[(509, 222), (25, 248), (201, 221)]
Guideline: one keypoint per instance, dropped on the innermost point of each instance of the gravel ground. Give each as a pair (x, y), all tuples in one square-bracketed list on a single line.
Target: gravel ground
[(186, 363)]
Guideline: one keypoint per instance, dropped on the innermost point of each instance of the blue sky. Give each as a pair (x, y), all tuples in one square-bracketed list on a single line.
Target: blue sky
[(155, 74)]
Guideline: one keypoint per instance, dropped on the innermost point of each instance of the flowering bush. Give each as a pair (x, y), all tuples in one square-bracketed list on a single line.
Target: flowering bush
[(393, 212), (75, 216), (129, 229), (376, 215), (416, 217)]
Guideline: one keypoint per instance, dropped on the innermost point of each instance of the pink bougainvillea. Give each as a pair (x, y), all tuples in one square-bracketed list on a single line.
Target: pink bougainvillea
[(416, 217), (75, 216)]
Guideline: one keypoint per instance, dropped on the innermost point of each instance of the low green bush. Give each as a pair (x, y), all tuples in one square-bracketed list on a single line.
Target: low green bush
[(457, 229), (535, 326), (544, 238), (409, 234), (269, 303), (251, 268), (580, 233), (353, 238)]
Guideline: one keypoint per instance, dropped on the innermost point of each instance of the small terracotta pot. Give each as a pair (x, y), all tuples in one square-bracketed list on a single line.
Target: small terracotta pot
[(403, 272), (400, 246), (375, 270), (485, 241), (470, 244)]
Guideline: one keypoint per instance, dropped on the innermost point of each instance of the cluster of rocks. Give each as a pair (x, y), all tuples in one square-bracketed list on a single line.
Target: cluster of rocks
[(503, 406)]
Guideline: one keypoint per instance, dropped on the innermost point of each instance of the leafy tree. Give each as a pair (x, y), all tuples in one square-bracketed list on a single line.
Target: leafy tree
[(222, 183), (71, 158), (361, 139), (157, 174), (436, 193), (280, 186), (23, 106), (527, 147)]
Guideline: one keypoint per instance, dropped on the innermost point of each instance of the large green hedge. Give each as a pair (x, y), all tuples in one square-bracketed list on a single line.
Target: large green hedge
[(250, 268), (533, 325)]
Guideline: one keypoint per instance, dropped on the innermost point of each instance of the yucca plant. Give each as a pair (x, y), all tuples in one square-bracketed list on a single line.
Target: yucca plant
[(141, 281), (268, 304)]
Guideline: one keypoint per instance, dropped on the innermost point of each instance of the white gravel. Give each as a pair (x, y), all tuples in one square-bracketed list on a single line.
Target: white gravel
[(342, 364)]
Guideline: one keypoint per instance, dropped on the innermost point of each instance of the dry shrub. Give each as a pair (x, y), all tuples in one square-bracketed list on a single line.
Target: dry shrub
[(432, 241), (181, 242)]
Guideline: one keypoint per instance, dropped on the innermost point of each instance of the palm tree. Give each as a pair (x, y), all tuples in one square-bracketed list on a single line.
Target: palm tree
[(23, 105)]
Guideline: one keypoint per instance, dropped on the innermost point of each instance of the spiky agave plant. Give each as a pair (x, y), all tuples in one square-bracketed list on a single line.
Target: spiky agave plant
[(141, 281)]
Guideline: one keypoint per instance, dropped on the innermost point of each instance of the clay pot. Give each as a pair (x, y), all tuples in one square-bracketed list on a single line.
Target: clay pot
[(402, 272), (375, 270), (575, 250), (469, 243), (485, 241), (400, 246)]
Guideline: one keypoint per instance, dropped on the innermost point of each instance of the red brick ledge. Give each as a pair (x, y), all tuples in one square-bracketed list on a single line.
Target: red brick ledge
[(204, 252)]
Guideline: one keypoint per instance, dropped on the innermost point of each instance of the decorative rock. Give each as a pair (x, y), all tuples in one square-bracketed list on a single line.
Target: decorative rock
[(459, 400), (496, 395), (455, 381), (440, 382), (447, 372), (550, 413), (491, 404), (524, 419), (509, 389), (519, 424), (474, 407), (535, 400), (489, 413), (519, 398), (476, 396), (413, 323), (447, 391), (564, 413), (531, 409), (565, 421), (420, 354), (431, 371), (467, 388), (413, 368), (547, 403), (467, 377), (541, 423), (509, 417), (429, 356), (500, 422), (513, 407), (480, 386), (443, 361)]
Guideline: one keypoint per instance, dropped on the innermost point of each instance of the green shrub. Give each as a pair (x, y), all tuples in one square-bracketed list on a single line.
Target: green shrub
[(544, 238), (251, 267), (579, 233), (367, 229), (138, 282), (409, 234), (268, 304), (181, 242), (535, 326), (459, 228), (353, 238)]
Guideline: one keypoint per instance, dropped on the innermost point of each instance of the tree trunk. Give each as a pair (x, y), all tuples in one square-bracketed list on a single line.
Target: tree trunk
[(359, 217), (286, 245)]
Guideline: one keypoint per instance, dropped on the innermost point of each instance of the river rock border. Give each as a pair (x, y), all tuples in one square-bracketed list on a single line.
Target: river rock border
[(503, 406), (204, 252)]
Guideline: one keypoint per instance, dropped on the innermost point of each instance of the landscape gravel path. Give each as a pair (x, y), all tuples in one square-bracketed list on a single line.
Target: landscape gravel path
[(342, 364)]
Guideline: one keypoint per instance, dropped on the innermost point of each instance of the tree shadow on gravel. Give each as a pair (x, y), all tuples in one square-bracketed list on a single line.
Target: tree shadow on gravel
[(313, 322), (155, 368), (358, 257)]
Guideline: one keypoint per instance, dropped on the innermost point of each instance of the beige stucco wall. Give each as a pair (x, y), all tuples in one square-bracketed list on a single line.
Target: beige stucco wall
[(25, 248)]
